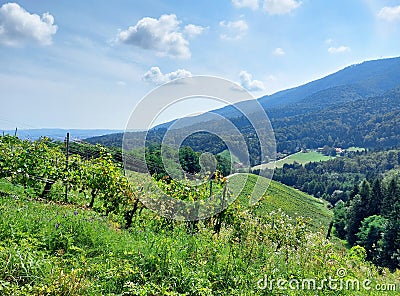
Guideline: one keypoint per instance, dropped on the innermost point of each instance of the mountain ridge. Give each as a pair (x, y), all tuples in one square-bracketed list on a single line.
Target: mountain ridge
[(367, 79), (321, 108)]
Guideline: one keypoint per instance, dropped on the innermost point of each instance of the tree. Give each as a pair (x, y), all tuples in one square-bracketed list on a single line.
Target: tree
[(371, 231), (366, 199), (189, 160), (354, 214), (390, 244), (391, 197), (376, 197), (339, 220), (354, 192), (223, 165)]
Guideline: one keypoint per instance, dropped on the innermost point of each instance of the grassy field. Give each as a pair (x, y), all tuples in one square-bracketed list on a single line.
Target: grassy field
[(227, 155), (299, 157), (356, 149), (278, 196), (50, 248)]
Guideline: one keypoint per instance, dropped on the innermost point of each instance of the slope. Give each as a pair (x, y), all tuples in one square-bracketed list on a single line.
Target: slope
[(278, 196), (356, 82)]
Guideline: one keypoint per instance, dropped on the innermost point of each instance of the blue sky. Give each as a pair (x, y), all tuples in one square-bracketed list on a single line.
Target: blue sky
[(86, 64)]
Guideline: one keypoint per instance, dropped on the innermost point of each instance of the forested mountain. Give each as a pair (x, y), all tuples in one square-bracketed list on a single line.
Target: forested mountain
[(357, 106), (371, 123), (369, 78)]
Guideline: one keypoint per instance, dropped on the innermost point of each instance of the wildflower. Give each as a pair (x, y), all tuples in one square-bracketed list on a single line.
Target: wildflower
[(76, 213), (57, 225)]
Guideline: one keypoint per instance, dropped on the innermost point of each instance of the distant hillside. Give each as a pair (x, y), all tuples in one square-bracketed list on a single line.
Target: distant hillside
[(59, 134), (369, 78), (357, 106)]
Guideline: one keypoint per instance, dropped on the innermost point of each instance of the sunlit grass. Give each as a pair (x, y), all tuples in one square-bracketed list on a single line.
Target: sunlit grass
[(299, 157), (54, 249)]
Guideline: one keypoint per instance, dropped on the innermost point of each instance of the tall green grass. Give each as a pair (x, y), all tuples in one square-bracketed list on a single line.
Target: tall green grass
[(52, 249)]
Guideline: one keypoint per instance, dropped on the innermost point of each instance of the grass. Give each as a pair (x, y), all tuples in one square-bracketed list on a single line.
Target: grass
[(226, 154), (356, 149), (299, 157), (55, 249), (279, 196)]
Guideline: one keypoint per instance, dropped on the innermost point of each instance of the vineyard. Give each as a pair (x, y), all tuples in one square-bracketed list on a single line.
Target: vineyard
[(99, 239)]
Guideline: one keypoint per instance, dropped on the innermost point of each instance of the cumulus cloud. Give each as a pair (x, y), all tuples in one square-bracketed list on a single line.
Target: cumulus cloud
[(280, 6), (278, 52), (155, 76), (253, 4), (193, 30), (339, 49), (18, 27), (246, 81), (162, 35), (233, 30), (390, 13)]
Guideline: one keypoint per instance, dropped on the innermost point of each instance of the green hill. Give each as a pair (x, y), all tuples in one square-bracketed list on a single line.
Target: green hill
[(50, 248), (278, 196), (226, 154), (299, 157), (357, 106)]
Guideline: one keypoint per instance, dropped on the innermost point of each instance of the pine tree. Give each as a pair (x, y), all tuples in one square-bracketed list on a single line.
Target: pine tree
[(339, 220), (376, 197), (391, 197), (366, 199), (390, 244), (354, 214), (353, 193)]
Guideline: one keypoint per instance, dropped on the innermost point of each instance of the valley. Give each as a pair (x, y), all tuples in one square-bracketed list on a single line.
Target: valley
[(77, 216)]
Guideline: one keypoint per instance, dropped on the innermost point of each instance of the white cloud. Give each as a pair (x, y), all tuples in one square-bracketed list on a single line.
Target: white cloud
[(278, 52), (329, 41), (253, 4), (339, 49), (155, 76), (390, 13), (18, 27), (193, 30), (162, 35), (246, 81), (233, 30), (280, 6)]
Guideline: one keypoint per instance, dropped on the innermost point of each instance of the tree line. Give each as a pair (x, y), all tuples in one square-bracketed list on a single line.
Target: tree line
[(366, 122), (333, 180), (370, 218)]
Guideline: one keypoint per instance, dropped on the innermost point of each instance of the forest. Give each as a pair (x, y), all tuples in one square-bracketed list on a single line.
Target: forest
[(370, 218), (334, 179), (370, 122)]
